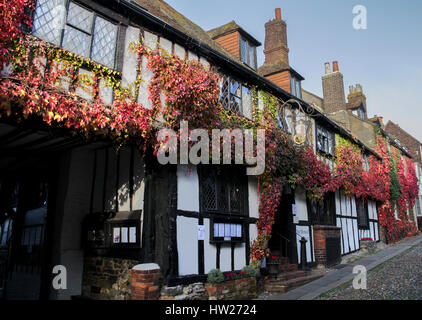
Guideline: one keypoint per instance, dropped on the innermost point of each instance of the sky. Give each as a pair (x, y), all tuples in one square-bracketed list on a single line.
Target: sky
[(386, 58)]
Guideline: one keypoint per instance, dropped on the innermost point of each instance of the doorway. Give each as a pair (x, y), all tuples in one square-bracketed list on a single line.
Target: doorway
[(283, 236)]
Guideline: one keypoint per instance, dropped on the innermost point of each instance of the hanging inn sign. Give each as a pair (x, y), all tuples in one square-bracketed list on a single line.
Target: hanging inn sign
[(296, 122)]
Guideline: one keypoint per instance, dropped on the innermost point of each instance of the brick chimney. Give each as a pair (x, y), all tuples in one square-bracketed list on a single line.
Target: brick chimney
[(333, 89), (276, 40)]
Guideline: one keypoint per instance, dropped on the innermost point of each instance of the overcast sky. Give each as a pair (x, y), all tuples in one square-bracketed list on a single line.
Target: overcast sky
[(386, 58)]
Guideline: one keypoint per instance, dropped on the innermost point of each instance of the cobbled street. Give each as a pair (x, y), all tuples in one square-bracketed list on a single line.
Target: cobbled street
[(397, 279)]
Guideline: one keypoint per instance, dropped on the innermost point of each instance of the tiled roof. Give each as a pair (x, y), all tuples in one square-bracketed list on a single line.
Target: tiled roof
[(168, 14), (231, 27), (268, 69)]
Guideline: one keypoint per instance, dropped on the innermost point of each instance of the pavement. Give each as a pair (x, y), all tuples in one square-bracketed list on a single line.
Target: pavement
[(337, 277)]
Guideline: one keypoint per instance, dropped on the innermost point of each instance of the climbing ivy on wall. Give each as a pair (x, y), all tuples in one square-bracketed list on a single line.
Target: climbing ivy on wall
[(191, 92)]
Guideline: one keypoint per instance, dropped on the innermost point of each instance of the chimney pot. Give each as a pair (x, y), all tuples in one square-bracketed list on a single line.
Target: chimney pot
[(327, 68), (352, 89), (335, 66), (358, 88), (278, 14)]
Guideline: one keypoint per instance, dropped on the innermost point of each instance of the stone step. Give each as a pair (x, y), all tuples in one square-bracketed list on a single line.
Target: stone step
[(291, 275), (288, 268), (282, 286)]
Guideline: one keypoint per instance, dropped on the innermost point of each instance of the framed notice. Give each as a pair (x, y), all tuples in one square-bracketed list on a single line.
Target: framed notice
[(125, 235), (116, 235), (132, 235)]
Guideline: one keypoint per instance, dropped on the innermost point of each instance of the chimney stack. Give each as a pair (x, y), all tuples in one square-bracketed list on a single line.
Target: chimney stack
[(335, 66), (278, 14), (333, 89), (327, 68), (276, 49)]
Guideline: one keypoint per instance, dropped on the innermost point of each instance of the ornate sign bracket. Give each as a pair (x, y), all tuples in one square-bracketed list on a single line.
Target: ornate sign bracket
[(296, 122)]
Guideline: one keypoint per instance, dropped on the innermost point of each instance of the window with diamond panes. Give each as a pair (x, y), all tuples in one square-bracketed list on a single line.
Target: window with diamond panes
[(231, 95), (84, 32), (222, 191)]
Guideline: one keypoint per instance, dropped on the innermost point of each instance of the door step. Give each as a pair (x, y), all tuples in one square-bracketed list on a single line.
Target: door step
[(286, 281)]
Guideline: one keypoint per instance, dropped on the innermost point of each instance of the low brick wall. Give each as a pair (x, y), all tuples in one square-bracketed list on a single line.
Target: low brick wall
[(107, 278), (240, 289), (145, 282)]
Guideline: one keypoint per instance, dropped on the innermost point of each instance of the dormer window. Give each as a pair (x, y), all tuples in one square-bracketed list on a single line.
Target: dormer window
[(248, 53), (296, 87), (76, 29)]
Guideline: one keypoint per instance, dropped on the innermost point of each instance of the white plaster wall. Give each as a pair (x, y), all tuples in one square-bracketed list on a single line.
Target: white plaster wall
[(150, 40), (179, 51), (301, 207), (253, 197), (130, 59), (187, 245), (192, 56), (83, 90), (210, 250), (253, 233), (187, 188), (239, 256), (167, 45), (225, 258), (204, 62), (105, 92), (247, 104)]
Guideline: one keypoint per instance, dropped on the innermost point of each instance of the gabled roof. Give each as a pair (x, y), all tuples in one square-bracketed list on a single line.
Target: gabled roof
[(230, 27)]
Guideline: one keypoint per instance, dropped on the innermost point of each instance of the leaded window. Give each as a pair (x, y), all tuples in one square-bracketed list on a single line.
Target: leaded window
[(222, 190), (322, 212), (325, 141), (362, 212), (76, 29), (231, 95)]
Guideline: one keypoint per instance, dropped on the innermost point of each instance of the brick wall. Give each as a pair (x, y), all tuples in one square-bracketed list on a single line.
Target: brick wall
[(321, 233), (239, 289), (145, 282)]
